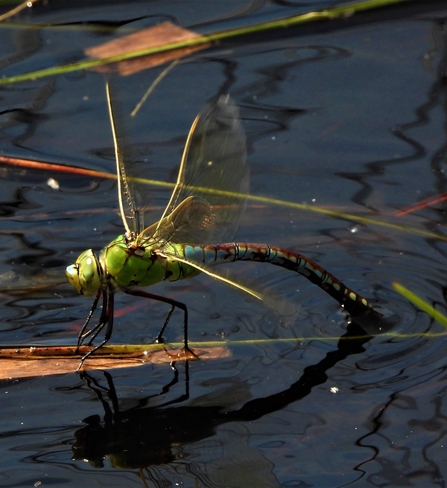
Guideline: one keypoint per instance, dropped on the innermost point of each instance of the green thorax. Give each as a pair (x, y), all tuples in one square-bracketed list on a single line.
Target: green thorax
[(145, 264)]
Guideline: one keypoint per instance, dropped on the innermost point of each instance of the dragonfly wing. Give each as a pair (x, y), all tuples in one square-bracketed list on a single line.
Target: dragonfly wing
[(215, 172), (192, 212), (132, 217)]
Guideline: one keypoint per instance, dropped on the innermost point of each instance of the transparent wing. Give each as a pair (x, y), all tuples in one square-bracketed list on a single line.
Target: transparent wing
[(131, 215), (209, 197)]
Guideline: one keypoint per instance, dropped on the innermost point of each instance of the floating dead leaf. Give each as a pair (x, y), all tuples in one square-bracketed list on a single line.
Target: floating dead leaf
[(152, 37), (22, 362)]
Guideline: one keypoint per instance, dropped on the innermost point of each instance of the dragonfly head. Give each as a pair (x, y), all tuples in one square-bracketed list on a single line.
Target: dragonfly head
[(85, 274)]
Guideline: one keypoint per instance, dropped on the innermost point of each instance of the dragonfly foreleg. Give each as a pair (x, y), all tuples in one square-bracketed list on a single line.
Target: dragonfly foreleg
[(81, 335), (106, 318), (174, 304), (103, 319)]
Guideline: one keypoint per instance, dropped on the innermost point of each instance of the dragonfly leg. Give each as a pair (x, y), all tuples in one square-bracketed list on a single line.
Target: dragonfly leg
[(174, 304), (103, 320), (81, 335), (94, 331), (106, 318), (159, 338)]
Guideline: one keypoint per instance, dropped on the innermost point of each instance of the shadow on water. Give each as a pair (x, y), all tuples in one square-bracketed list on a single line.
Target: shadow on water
[(145, 437)]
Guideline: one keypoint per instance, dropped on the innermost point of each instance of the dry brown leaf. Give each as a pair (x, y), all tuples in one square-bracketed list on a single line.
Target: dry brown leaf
[(159, 35)]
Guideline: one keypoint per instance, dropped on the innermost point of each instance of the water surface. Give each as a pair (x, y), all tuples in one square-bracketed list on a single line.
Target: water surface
[(348, 115)]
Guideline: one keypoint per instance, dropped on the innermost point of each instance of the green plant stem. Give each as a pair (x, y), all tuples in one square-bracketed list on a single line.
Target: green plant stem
[(421, 304), (343, 11)]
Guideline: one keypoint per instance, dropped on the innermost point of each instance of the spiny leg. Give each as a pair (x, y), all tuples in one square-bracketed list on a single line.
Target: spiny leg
[(159, 338), (106, 318), (174, 304), (81, 335), (103, 319)]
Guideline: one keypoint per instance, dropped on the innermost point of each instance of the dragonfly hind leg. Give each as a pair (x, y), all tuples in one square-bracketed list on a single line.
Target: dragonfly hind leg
[(174, 304)]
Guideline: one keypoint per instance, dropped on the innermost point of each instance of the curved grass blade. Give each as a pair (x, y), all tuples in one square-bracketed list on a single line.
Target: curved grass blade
[(421, 304)]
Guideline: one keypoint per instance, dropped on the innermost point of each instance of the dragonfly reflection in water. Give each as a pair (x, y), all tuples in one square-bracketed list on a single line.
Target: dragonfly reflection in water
[(206, 206)]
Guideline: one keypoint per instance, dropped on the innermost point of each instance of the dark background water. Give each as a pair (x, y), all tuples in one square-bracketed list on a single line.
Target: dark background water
[(349, 115)]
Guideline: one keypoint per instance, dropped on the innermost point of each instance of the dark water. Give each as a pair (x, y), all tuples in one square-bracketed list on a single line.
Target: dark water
[(348, 115)]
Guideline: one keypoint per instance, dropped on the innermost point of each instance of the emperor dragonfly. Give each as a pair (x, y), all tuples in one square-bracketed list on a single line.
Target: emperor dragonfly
[(206, 206)]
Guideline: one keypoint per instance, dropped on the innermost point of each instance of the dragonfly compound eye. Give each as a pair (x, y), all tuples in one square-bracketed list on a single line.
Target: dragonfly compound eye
[(84, 275)]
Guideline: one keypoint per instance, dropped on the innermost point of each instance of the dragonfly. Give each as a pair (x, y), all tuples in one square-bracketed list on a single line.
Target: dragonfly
[(206, 206)]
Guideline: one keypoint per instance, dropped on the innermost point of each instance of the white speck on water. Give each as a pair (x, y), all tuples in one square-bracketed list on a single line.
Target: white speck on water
[(354, 229), (53, 184)]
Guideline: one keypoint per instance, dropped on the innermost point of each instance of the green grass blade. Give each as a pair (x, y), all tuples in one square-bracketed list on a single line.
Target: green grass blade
[(253, 198), (421, 304), (328, 14)]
